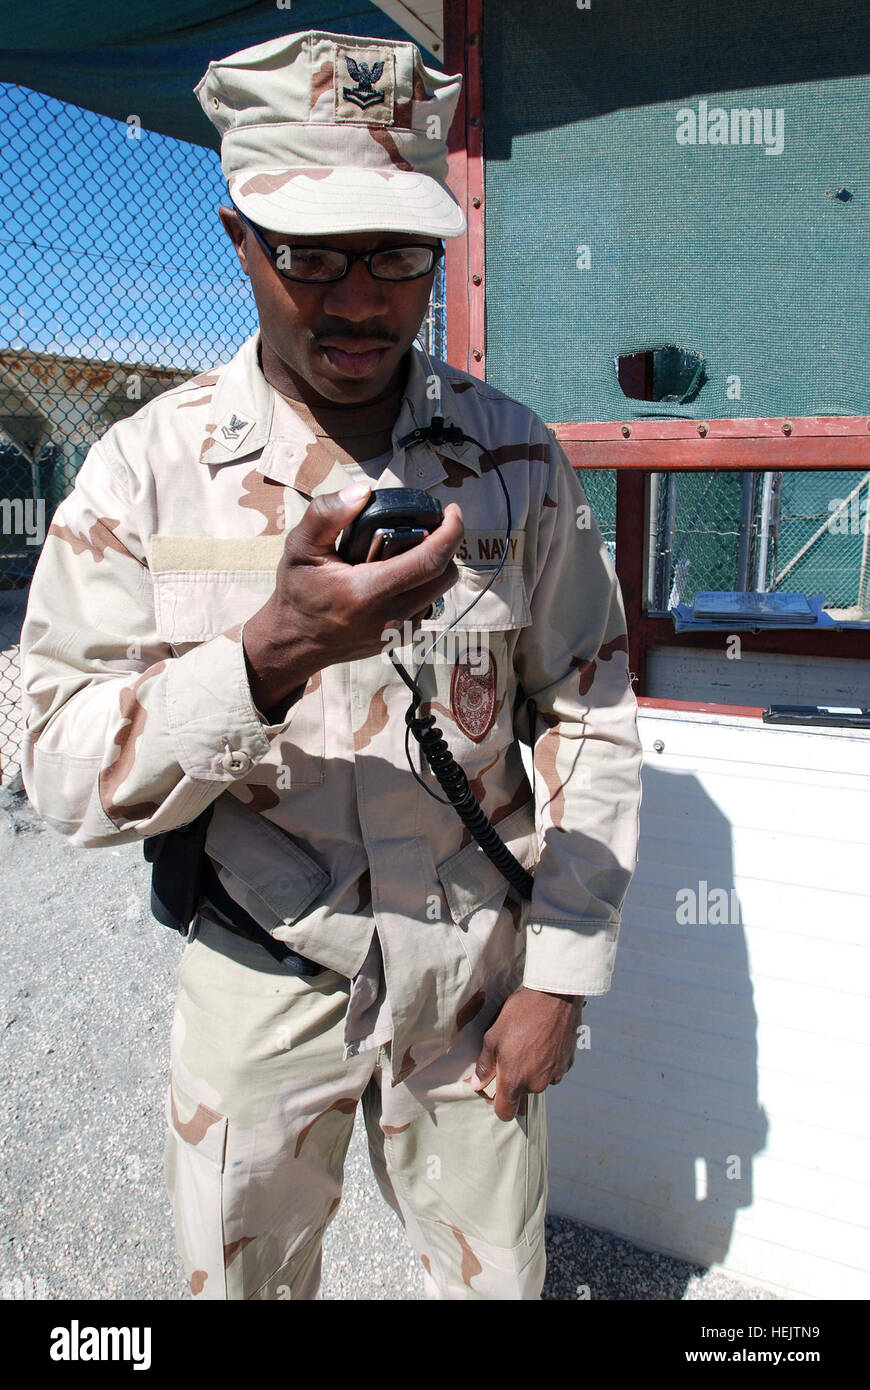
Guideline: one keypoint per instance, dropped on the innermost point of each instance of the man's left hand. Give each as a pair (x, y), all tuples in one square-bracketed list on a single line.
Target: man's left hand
[(529, 1047)]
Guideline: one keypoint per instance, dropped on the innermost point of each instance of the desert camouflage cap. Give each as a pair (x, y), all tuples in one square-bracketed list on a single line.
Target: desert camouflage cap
[(330, 133)]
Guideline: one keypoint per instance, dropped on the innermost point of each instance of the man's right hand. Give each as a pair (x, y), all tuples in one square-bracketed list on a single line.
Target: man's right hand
[(323, 610)]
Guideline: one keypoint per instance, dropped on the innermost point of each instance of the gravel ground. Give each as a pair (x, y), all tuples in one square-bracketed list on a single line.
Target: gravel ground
[(85, 1010)]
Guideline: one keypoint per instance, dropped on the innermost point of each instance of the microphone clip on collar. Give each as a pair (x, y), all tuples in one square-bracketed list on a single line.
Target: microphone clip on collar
[(436, 432)]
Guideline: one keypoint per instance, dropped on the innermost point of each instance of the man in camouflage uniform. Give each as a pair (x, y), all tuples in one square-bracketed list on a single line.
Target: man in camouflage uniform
[(192, 640)]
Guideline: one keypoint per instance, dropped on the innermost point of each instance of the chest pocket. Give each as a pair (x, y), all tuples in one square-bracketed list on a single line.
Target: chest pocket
[(469, 674), (503, 608), (205, 585)]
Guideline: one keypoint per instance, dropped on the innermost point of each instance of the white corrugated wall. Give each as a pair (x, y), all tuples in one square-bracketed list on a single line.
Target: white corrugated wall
[(721, 1111)]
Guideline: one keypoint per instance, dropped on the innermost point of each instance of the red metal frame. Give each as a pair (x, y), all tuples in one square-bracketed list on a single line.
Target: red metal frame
[(701, 707), (752, 445), (633, 447), (465, 265)]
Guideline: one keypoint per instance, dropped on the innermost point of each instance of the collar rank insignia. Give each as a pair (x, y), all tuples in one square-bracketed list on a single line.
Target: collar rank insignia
[(365, 77), (233, 426), (233, 429)]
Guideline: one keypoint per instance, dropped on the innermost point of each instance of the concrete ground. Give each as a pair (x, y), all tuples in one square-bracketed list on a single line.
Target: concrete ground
[(85, 1009)]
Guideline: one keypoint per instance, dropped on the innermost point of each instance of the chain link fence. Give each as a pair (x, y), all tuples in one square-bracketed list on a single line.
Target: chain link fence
[(786, 532), (118, 283), (821, 524)]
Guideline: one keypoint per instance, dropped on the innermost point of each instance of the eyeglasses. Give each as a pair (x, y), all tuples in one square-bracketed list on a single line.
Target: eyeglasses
[(321, 265)]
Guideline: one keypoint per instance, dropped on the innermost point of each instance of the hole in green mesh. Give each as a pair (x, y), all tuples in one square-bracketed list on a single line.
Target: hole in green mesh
[(667, 373)]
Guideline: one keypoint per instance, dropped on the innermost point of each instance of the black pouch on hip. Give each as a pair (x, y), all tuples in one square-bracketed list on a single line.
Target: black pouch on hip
[(177, 858)]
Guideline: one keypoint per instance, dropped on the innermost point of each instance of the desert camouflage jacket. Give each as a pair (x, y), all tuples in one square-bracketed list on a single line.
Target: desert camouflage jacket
[(139, 712)]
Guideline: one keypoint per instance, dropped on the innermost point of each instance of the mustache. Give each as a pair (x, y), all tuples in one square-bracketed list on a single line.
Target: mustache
[(345, 335)]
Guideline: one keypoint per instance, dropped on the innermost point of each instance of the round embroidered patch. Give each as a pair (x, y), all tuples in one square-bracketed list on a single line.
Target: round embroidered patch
[(472, 698)]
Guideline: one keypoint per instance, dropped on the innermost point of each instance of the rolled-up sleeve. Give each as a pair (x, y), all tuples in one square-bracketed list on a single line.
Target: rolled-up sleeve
[(573, 661)]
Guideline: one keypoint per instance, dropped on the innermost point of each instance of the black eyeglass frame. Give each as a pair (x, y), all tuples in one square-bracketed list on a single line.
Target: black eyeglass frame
[(273, 253)]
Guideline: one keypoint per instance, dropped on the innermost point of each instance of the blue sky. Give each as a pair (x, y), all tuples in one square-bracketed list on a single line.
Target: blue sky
[(110, 246)]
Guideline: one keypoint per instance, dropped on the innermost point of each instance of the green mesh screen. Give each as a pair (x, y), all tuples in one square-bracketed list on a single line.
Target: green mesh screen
[(605, 235)]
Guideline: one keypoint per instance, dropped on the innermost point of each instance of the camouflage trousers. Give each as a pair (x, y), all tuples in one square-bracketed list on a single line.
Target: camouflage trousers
[(260, 1109)]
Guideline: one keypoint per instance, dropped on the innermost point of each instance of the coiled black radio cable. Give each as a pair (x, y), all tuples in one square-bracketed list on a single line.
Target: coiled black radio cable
[(450, 776)]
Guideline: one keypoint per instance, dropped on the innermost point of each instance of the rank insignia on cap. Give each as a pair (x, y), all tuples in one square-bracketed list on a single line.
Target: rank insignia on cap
[(233, 429), (363, 94), (371, 100)]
